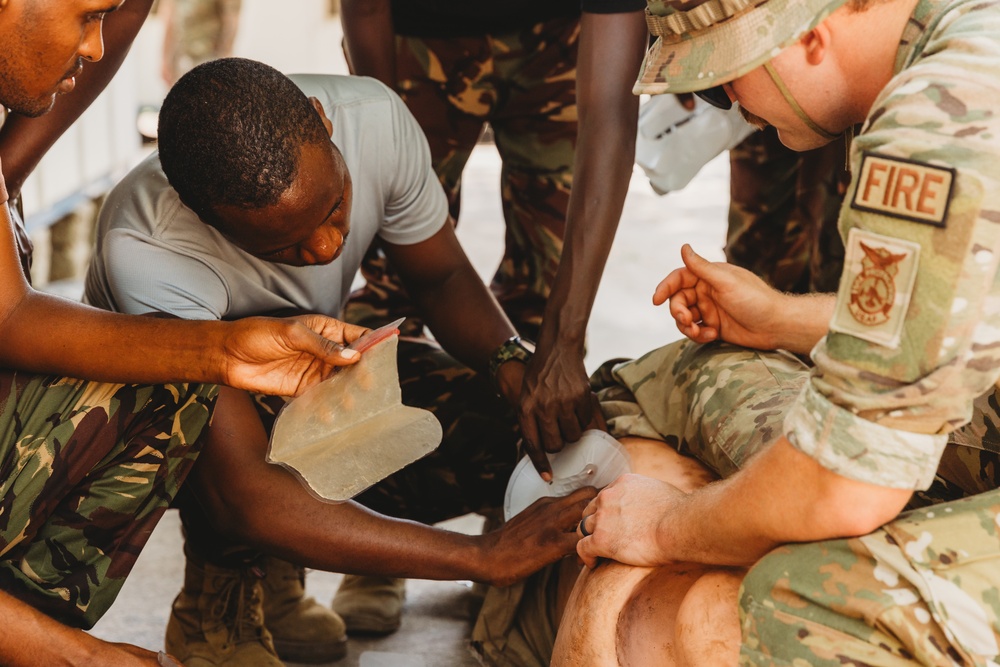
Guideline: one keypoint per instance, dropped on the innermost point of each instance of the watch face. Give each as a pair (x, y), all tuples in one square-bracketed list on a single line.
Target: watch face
[(527, 344)]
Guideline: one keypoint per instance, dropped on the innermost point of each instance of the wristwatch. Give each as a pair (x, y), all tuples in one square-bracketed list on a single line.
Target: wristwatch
[(514, 348)]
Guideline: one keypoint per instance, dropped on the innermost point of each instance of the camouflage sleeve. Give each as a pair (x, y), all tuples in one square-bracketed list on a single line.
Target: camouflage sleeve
[(915, 336)]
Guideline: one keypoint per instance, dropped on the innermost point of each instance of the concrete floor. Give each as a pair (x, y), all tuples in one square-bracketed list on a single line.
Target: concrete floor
[(624, 324)]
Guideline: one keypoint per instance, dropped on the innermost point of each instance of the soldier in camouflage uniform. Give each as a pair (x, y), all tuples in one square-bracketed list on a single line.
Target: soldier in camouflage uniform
[(88, 466), (905, 353), (196, 31)]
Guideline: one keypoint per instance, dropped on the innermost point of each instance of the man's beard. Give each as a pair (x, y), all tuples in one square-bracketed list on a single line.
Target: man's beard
[(753, 119)]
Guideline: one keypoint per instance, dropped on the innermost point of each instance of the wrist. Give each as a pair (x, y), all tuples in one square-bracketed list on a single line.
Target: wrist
[(514, 350)]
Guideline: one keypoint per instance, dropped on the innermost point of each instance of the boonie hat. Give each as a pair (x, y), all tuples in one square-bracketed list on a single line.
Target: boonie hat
[(704, 43)]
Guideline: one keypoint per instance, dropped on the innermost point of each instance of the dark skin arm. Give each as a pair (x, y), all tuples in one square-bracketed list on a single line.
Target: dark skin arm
[(457, 306), (23, 141), (29, 637), (369, 39), (264, 506), (556, 403)]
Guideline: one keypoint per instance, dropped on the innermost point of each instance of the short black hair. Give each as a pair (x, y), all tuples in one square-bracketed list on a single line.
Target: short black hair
[(230, 134)]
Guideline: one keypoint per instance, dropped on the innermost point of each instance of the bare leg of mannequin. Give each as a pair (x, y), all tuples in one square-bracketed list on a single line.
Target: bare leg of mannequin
[(682, 614)]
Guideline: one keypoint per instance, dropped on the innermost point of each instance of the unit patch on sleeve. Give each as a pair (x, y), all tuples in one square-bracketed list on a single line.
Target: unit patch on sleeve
[(904, 189), (879, 275)]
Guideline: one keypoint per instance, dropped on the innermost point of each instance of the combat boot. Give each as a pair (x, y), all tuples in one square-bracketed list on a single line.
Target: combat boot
[(218, 620), (302, 629), (370, 605)]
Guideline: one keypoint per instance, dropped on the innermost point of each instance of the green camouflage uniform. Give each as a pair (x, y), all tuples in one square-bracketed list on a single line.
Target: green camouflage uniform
[(199, 27), (783, 211), (522, 83), (87, 471)]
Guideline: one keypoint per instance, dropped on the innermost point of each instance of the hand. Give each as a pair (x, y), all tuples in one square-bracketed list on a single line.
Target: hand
[(715, 300), (555, 405), (287, 356), (541, 534), (622, 523)]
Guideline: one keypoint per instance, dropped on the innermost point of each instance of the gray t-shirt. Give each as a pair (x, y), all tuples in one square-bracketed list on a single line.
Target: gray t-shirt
[(153, 254)]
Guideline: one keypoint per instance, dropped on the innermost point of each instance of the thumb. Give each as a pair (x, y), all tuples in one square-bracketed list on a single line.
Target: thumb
[(699, 266)]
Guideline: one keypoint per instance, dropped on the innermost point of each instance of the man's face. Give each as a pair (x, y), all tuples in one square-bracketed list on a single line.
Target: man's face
[(44, 45), (761, 103), (309, 224)]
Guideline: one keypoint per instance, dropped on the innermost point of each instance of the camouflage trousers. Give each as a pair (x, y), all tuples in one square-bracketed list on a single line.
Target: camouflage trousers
[(923, 589), (87, 471), (524, 85), (783, 212), (200, 31), (467, 473)]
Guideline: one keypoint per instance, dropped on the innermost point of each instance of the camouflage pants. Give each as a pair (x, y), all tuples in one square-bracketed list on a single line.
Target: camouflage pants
[(783, 212), (523, 85), (467, 473), (924, 588), (202, 30), (87, 471)]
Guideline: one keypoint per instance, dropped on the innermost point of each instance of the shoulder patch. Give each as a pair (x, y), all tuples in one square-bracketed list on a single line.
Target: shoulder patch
[(904, 189), (879, 275)]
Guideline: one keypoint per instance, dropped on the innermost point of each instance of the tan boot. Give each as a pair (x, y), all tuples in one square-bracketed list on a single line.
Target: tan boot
[(303, 630), (217, 619), (370, 605)]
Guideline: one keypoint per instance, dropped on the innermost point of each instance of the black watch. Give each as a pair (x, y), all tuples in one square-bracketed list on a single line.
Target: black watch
[(514, 348)]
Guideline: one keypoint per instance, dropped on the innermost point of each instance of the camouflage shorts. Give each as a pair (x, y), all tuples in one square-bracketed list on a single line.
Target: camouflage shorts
[(523, 84), (87, 471), (923, 587)]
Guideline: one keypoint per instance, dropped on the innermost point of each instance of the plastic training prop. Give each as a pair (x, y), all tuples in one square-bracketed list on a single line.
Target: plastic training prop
[(351, 430)]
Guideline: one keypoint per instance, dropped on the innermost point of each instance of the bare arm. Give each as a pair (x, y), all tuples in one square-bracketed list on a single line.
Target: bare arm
[(265, 506), (719, 301), (781, 496), (556, 402), (458, 308), (29, 637), (23, 141), (369, 38)]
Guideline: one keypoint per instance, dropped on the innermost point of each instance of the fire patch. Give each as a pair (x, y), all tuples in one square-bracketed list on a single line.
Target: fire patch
[(880, 275), (904, 189)]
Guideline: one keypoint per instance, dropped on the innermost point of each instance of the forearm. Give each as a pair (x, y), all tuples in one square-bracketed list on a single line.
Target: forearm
[(23, 141), (804, 321), (47, 334), (611, 48), (369, 39), (782, 496), (28, 637), (465, 317)]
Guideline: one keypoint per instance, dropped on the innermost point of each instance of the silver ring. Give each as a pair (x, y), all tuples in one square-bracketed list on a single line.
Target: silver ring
[(583, 528)]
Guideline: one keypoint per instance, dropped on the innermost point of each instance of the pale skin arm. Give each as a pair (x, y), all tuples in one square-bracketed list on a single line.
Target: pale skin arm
[(719, 301), (781, 496)]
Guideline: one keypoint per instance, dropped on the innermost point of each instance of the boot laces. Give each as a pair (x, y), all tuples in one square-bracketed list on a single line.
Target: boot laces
[(238, 606)]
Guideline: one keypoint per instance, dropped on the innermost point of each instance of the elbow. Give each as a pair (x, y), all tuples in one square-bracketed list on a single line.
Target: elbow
[(850, 508)]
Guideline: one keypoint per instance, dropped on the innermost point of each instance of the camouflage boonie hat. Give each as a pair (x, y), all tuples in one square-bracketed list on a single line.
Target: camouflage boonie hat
[(704, 43)]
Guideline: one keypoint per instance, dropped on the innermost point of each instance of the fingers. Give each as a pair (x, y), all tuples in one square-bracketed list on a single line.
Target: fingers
[(536, 454), (676, 280)]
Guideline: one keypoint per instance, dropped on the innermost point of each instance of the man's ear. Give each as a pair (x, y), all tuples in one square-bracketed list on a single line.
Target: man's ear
[(322, 115), (816, 43)]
